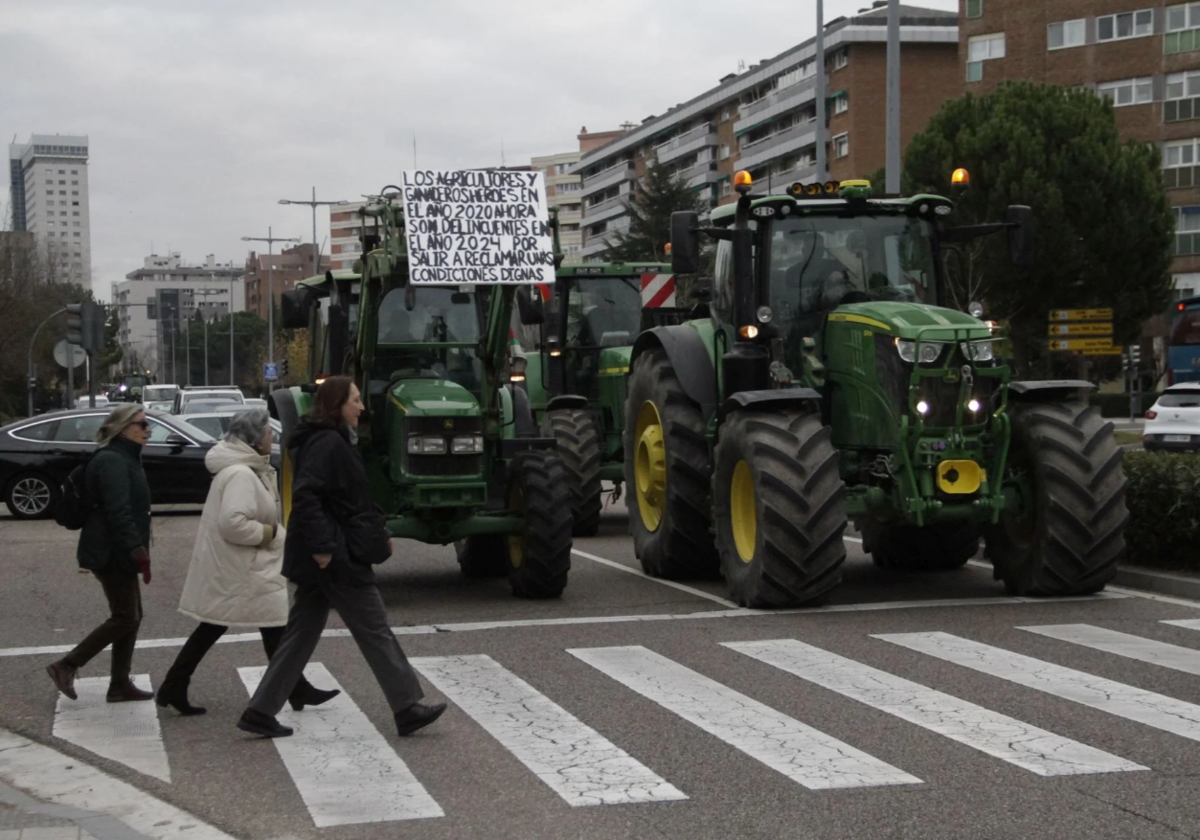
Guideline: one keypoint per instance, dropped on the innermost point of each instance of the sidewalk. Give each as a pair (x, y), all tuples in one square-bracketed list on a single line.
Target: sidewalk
[(24, 818)]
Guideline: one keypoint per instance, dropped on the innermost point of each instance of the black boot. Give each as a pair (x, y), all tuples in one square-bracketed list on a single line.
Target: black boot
[(417, 716), (126, 692), (307, 694), (63, 674), (260, 724), (174, 694)]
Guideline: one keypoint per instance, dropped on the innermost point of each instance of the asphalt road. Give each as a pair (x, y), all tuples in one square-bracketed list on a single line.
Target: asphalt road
[(725, 738)]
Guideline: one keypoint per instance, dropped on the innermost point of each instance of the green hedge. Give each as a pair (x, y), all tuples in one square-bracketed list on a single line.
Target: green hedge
[(1164, 508), (1117, 405)]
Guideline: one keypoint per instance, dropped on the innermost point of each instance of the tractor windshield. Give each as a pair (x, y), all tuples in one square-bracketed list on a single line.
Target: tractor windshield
[(437, 338), (821, 262), (603, 312)]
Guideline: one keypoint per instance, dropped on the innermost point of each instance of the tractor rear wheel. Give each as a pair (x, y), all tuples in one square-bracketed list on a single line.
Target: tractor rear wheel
[(483, 556), (668, 473), (539, 557), (779, 508), (581, 447), (1069, 533), (932, 548)]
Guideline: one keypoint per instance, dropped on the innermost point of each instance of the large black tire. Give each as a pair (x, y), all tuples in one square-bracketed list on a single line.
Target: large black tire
[(779, 508), (483, 556), (581, 447), (31, 495), (1073, 534), (539, 559), (932, 548), (669, 511)]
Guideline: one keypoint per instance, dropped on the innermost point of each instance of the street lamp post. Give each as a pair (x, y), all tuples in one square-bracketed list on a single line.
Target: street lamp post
[(270, 239), (313, 203)]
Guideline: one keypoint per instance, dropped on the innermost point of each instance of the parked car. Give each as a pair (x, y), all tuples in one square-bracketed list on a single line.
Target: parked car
[(227, 393), (255, 402), (101, 401), (216, 424), (1173, 422), (208, 406), (159, 394), (37, 454)]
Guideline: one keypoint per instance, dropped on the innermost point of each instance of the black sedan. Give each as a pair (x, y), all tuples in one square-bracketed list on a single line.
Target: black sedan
[(36, 455)]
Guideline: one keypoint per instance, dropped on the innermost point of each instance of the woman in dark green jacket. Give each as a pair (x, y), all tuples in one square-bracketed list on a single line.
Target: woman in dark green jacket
[(114, 547)]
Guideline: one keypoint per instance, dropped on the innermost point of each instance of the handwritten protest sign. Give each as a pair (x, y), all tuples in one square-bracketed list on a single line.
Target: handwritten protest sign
[(477, 226)]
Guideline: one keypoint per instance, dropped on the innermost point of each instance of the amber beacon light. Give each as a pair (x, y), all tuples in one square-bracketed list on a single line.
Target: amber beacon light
[(960, 178)]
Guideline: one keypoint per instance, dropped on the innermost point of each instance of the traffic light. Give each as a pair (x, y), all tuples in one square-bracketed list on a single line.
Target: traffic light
[(94, 339), (1135, 356), (86, 326), (75, 323), (283, 368)]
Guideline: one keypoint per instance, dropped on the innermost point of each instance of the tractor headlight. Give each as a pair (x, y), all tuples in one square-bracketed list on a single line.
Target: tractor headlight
[(906, 349), (469, 445), (426, 445), (979, 351), (928, 351)]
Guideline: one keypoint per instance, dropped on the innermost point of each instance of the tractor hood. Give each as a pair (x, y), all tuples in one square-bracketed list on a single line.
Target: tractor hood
[(910, 320), (434, 398)]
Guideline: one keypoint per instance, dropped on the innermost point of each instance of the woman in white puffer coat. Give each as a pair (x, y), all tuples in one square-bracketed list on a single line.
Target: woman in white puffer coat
[(235, 578)]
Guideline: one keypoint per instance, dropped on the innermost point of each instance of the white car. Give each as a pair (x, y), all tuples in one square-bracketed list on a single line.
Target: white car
[(1173, 422), (187, 395)]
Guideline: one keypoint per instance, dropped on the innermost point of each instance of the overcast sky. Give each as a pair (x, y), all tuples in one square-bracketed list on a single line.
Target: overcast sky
[(202, 114)]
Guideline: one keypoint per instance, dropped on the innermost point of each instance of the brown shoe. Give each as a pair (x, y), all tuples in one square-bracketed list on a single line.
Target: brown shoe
[(64, 677), (126, 692)]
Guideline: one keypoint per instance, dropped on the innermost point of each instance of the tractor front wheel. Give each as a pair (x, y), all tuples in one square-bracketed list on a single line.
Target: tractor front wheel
[(1069, 531), (580, 446), (780, 508), (539, 557), (932, 548)]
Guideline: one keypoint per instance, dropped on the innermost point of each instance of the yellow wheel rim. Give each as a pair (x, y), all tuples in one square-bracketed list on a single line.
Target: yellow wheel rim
[(516, 542), (742, 515), (650, 467)]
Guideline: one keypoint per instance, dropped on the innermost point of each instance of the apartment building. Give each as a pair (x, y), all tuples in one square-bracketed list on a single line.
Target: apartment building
[(562, 191), (1146, 59), (48, 191), (288, 268), (344, 227), (763, 119)]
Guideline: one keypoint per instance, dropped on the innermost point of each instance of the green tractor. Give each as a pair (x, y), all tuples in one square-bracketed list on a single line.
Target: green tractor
[(576, 380), (449, 443), (829, 385)]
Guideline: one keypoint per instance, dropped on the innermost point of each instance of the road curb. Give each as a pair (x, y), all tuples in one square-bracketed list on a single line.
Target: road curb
[(1162, 583)]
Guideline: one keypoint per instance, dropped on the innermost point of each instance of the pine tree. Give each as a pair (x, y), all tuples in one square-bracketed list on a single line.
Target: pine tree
[(650, 211)]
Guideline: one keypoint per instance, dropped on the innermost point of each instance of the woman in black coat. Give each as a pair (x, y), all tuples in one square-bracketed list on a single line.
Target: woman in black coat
[(334, 536), (114, 547)]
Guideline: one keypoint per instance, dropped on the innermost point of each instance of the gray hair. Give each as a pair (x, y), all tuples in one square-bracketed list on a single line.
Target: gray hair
[(249, 426), (117, 421)]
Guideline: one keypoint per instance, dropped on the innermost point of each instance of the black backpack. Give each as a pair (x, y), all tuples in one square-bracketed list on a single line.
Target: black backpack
[(74, 503)]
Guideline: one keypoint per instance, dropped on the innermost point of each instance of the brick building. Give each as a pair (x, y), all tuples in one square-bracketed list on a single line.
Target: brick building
[(1146, 59), (764, 118), (291, 266)]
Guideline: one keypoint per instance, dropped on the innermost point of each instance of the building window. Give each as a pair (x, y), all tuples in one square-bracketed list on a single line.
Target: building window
[(1068, 33), (74, 183), (74, 171), (1187, 230), (1183, 29), (841, 103), (62, 172), (723, 152), (1125, 25), (73, 192), (62, 183), (841, 145), (980, 49), (1182, 97), (1128, 92), (725, 115), (50, 181), (49, 203), (725, 188), (974, 8), (841, 58)]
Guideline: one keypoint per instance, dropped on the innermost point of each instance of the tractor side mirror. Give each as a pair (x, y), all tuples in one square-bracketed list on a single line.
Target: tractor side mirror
[(703, 291), (1020, 234), (531, 310), (685, 242), (294, 306)]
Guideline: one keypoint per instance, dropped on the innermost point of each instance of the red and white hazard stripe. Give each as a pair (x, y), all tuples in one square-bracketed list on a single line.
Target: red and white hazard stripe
[(658, 290)]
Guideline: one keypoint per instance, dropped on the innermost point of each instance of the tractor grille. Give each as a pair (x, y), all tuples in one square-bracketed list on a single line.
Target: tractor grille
[(942, 396), (443, 465)]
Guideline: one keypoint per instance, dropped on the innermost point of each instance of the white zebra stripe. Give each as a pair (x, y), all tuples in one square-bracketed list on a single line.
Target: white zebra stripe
[(1123, 644), (127, 733)]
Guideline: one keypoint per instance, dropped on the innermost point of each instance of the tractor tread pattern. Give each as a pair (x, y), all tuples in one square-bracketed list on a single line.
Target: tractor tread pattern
[(801, 499), (1079, 498), (547, 554), (581, 448)]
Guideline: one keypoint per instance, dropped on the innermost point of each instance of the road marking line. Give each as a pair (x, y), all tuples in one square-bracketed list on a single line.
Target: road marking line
[(55, 777), (990, 732), (1123, 644), (576, 761), (1188, 623), (681, 587), (345, 770), (1155, 710), (807, 756), (127, 733)]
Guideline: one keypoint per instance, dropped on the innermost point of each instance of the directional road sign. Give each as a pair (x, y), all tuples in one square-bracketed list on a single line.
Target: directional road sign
[(1097, 328), (1079, 344), (270, 371), (1103, 351), (1081, 314)]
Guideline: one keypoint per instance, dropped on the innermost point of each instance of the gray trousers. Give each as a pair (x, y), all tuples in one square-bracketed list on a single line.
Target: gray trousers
[(361, 608)]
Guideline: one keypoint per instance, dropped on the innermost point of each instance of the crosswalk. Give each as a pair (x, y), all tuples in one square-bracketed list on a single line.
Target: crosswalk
[(346, 767)]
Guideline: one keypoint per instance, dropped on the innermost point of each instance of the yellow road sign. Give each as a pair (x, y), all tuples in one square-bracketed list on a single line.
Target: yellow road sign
[(1081, 329), (1081, 314), (1103, 351), (1080, 344)]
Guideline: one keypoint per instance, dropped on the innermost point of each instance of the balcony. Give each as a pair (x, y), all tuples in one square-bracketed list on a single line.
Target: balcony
[(595, 245), (777, 145), (774, 104), (776, 182), (601, 181), (573, 217), (700, 137), (605, 210), (704, 172)]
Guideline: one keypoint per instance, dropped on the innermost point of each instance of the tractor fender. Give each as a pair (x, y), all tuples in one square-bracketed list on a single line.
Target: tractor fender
[(690, 359), (772, 399), (567, 401), (522, 413), (1049, 390), (282, 406)]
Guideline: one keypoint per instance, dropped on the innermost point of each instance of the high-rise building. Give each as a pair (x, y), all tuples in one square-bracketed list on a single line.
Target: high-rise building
[(562, 191), (1145, 59), (344, 227), (156, 301), (763, 119), (291, 266), (48, 189)]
